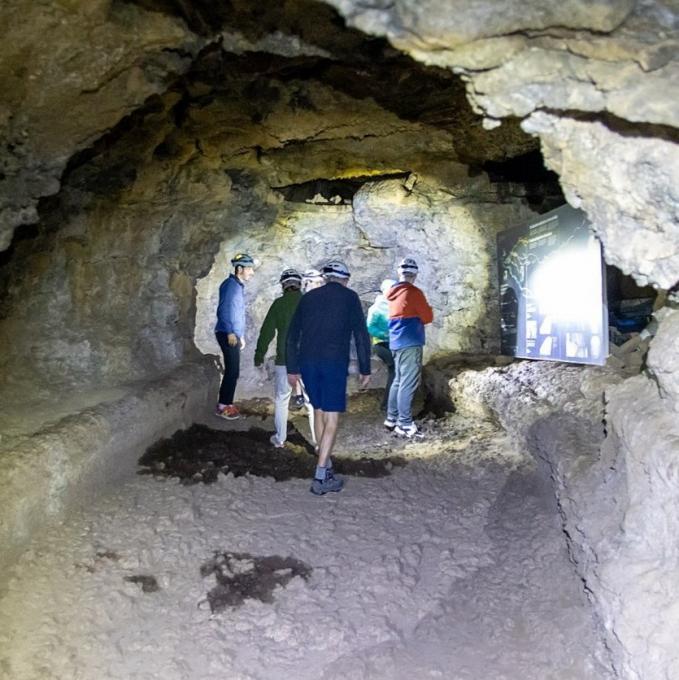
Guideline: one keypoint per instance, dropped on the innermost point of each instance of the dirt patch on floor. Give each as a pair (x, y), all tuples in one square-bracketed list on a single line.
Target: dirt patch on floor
[(199, 454), (242, 576), (147, 583)]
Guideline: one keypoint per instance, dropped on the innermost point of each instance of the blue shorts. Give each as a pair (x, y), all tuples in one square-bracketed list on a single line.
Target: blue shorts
[(325, 382)]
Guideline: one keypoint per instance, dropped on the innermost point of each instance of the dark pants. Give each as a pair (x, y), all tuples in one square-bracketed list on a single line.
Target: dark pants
[(231, 368), (382, 350)]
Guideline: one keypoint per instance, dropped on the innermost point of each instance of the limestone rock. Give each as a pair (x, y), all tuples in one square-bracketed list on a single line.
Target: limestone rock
[(628, 185), (663, 357), (69, 71), (450, 237)]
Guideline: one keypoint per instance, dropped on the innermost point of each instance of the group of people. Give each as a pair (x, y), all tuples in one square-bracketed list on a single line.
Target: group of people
[(314, 321)]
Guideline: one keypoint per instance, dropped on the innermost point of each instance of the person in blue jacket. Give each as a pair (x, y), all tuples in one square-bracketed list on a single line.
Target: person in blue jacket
[(230, 331), (378, 327), (317, 350)]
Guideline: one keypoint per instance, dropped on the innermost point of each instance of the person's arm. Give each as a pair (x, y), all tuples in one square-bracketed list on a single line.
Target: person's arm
[(224, 309), (361, 337), (293, 340), (266, 335), (424, 310)]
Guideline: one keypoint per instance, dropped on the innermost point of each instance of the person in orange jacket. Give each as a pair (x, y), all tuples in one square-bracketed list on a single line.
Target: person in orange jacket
[(409, 312)]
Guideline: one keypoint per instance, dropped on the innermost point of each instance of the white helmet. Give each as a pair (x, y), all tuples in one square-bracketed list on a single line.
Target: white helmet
[(290, 278), (408, 266), (312, 276), (336, 268)]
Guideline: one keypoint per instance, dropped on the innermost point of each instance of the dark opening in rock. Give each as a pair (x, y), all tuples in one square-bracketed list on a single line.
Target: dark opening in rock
[(331, 191)]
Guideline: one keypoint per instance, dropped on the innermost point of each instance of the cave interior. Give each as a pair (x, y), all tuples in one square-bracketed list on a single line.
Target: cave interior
[(297, 132)]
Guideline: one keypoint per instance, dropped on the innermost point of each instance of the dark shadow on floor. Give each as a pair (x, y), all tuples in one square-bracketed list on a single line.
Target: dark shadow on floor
[(199, 454)]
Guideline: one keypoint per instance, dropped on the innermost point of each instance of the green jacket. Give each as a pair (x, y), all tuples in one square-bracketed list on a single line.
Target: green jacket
[(276, 323)]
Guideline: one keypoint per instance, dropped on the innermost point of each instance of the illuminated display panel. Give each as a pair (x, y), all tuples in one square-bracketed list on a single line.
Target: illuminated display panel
[(552, 292)]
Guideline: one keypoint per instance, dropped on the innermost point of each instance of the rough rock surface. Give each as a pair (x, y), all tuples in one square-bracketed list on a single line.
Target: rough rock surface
[(64, 454), (106, 291), (69, 73), (611, 446), (615, 61)]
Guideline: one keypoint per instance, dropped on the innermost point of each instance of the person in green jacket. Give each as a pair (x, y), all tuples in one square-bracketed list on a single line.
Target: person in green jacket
[(276, 323), (378, 327)]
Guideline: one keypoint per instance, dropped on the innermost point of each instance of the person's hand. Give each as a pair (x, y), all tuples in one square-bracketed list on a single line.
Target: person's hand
[(232, 339), (242, 343), (364, 380), (293, 379)]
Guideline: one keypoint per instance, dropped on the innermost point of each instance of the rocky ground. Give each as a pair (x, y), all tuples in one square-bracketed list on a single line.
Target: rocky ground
[(452, 565)]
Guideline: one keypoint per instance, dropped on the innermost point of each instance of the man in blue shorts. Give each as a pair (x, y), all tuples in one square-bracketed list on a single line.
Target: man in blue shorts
[(318, 350)]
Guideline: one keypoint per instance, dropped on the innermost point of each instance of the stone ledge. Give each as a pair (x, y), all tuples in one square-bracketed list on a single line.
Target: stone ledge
[(63, 465), (610, 446)]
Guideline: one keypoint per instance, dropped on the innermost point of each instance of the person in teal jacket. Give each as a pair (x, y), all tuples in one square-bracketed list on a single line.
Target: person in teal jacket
[(276, 323), (378, 327)]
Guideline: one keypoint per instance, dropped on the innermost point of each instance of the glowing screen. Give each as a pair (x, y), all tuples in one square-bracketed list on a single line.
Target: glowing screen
[(552, 294)]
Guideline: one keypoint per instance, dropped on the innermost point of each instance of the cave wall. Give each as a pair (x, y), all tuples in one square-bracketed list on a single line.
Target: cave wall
[(611, 446), (596, 81), (452, 238), (106, 293), (69, 73)]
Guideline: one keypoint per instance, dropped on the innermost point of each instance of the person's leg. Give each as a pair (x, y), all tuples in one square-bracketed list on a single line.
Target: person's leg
[(310, 412), (312, 392), (327, 442), (409, 370), (333, 397), (392, 401), (319, 424), (382, 350), (282, 398), (231, 354)]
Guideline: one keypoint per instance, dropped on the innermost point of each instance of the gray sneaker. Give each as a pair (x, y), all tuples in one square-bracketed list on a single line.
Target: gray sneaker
[(318, 487), (389, 425)]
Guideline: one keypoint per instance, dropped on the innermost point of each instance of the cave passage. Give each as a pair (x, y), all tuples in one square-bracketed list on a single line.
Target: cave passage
[(451, 566), (529, 535)]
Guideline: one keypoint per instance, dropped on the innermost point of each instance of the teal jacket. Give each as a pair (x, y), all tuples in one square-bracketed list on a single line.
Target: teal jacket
[(378, 319), (276, 322)]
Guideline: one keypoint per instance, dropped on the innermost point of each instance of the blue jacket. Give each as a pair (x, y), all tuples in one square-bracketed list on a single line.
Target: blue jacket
[(322, 327), (231, 308)]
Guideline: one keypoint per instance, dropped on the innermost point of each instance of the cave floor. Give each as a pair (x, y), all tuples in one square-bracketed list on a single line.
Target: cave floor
[(454, 566)]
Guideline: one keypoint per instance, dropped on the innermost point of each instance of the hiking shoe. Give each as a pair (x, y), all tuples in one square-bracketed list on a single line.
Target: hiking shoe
[(389, 425), (409, 431), (229, 412), (318, 487), (274, 440), (297, 402)]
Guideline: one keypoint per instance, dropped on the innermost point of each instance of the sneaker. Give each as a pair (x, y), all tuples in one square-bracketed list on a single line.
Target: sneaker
[(297, 402), (409, 431), (330, 483), (274, 440), (389, 424), (229, 412)]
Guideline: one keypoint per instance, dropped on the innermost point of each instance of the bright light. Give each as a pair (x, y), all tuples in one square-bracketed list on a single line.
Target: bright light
[(567, 287)]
